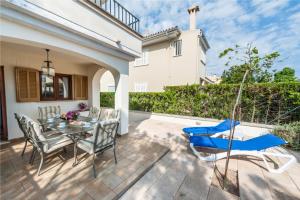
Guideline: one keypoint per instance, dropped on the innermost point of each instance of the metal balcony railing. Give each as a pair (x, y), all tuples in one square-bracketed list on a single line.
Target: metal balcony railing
[(116, 10)]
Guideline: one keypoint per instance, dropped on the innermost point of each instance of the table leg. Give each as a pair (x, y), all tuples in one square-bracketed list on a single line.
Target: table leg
[(75, 152)]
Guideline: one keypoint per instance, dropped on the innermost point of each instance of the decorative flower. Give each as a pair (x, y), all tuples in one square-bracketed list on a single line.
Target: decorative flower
[(63, 116), (82, 106), (72, 115)]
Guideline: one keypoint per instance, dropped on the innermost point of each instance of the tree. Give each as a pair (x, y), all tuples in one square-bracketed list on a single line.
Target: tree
[(287, 74), (241, 58), (247, 66)]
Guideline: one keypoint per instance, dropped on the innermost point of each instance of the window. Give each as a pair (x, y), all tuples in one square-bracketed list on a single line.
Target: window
[(47, 88), (143, 60), (58, 87), (140, 87), (177, 47), (32, 85), (64, 86)]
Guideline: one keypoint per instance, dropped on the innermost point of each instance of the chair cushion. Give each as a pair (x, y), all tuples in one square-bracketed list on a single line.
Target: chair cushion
[(86, 144), (55, 143)]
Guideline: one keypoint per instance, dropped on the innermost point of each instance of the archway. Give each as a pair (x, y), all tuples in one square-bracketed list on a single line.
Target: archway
[(120, 82)]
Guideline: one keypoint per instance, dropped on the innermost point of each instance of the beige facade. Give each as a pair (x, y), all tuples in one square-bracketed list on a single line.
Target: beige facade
[(164, 68), (170, 57)]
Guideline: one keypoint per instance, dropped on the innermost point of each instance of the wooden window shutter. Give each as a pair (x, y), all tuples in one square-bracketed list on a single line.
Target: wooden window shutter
[(84, 87), (27, 85), (80, 87)]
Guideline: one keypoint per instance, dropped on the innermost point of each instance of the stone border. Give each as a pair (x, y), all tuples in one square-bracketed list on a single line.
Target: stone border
[(171, 117), (120, 194)]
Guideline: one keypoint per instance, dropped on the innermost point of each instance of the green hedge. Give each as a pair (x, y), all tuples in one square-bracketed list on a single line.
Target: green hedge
[(261, 103)]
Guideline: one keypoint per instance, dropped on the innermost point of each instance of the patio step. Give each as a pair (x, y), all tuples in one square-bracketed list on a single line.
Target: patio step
[(140, 175)]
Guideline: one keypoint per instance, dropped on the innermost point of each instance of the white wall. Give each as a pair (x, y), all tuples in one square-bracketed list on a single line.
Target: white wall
[(81, 18), (70, 29), (25, 56)]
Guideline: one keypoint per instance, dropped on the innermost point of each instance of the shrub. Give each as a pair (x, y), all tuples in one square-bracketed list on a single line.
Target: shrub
[(261, 103), (107, 99), (291, 133)]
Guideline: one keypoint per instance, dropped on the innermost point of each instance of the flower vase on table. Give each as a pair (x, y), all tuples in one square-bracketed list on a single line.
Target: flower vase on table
[(82, 106), (72, 115)]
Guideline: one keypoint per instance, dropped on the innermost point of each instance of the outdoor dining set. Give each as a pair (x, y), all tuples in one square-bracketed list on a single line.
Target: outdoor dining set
[(54, 131)]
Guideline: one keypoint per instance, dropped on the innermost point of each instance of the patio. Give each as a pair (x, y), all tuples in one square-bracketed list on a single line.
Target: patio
[(59, 180), (177, 175)]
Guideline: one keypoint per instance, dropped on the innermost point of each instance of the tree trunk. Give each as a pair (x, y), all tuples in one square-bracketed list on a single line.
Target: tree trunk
[(279, 111), (254, 109), (232, 127)]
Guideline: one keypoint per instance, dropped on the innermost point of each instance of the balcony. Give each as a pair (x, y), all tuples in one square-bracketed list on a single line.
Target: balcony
[(117, 11)]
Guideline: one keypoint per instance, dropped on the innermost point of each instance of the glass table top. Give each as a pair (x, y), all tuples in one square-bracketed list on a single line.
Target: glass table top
[(82, 124)]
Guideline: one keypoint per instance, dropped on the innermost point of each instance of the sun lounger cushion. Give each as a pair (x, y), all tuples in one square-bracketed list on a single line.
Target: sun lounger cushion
[(254, 144), (223, 126)]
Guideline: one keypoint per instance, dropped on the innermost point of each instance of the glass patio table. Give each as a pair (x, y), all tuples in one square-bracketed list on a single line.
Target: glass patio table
[(74, 130)]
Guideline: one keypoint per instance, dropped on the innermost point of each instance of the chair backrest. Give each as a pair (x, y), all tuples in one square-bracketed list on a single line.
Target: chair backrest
[(94, 112), (104, 134), (108, 114), (225, 125), (22, 124), (49, 111), (35, 132)]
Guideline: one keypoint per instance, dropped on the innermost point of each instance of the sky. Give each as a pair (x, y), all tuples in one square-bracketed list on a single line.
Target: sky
[(270, 25)]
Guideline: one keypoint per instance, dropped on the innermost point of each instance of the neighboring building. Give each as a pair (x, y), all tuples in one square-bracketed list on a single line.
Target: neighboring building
[(210, 80), (214, 79), (169, 57), (85, 38)]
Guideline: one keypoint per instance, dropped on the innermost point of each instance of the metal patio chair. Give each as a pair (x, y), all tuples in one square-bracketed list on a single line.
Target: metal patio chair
[(45, 142), (49, 112), (107, 114), (24, 128), (103, 138), (94, 113)]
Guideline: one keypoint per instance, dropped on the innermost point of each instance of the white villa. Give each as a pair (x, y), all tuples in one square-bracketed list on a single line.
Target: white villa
[(169, 57), (53, 56), (81, 48)]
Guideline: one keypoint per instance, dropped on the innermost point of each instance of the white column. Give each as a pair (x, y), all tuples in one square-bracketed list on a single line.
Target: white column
[(122, 100)]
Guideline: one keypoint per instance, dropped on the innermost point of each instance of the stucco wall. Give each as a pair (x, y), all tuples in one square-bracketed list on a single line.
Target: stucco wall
[(25, 56), (165, 70), (90, 20)]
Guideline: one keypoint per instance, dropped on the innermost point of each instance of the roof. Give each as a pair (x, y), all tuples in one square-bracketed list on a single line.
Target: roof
[(169, 33), (202, 35), (161, 33)]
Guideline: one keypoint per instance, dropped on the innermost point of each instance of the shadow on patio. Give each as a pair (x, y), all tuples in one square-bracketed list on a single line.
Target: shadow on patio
[(59, 180)]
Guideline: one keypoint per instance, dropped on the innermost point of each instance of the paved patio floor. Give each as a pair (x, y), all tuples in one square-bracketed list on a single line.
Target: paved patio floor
[(59, 180), (179, 175)]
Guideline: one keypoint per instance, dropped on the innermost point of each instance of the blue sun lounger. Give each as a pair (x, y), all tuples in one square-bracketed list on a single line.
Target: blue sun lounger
[(210, 130), (252, 147)]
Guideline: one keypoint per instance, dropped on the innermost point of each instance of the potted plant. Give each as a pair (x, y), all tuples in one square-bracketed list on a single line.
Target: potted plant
[(72, 115), (82, 106)]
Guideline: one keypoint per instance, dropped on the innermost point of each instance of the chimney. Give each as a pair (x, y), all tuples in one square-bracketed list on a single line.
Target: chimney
[(192, 12)]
